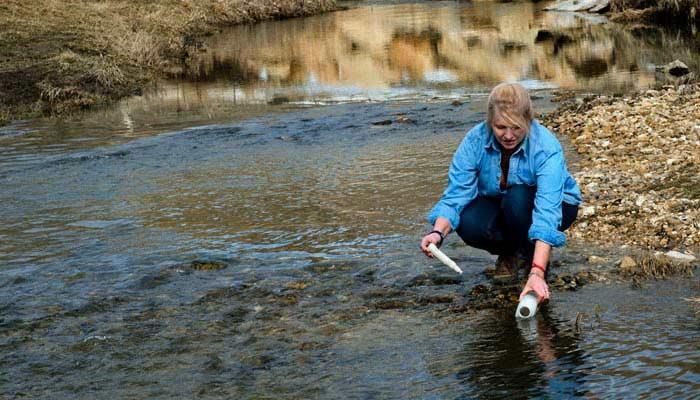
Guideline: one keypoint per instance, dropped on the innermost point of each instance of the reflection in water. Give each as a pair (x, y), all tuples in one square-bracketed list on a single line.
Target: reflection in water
[(529, 358), (427, 49)]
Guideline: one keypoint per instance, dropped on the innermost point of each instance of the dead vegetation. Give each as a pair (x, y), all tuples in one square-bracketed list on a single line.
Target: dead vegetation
[(58, 56), (662, 11), (650, 266)]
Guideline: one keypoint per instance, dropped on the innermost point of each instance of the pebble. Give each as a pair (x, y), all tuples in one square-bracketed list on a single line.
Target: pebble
[(596, 260)]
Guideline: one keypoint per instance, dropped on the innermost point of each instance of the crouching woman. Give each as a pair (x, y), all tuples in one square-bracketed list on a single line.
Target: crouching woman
[(509, 191)]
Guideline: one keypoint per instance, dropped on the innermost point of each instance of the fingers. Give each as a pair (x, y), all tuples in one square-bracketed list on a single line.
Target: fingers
[(539, 286), (543, 291), (424, 245), (546, 292), (524, 292)]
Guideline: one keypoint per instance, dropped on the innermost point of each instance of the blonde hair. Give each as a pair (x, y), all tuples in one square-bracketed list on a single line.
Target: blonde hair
[(512, 102)]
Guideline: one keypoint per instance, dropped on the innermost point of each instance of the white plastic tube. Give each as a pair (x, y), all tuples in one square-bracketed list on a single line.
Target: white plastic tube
[(443, 258), (528, 329), (527, 306)]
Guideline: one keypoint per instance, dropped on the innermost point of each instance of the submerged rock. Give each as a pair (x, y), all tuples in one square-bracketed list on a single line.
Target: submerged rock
[(596, 260), (207, 265)]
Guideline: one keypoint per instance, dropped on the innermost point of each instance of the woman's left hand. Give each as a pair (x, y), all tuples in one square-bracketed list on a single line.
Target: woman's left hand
[(536, 283)]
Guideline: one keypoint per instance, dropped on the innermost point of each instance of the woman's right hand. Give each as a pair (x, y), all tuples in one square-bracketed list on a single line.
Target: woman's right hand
[(432, 237)]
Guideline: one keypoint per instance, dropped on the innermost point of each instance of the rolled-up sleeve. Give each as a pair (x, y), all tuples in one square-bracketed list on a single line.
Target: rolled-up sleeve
[(546, 216), (462, 182)]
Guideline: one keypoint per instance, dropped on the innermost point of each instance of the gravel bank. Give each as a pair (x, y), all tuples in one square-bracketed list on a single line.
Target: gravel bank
[(638, 166)]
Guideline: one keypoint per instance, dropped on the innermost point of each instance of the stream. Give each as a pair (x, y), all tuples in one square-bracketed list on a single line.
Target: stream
[(250, 229)]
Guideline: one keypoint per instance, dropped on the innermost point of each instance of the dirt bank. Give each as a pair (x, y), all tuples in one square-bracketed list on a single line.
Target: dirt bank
[(638, 167), (59, 56)]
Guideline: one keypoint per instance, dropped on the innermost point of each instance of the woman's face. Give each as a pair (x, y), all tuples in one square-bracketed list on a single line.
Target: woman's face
[(508, 136)]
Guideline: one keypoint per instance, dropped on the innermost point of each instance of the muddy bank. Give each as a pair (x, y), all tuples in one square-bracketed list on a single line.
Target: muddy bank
[(63, 56), (638, 167)]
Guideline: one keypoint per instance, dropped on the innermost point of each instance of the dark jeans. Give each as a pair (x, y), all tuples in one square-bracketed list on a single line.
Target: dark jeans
[(499, 225)]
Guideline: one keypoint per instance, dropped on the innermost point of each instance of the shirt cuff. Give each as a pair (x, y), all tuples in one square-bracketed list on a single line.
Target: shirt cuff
[(444, 212), (552, 237)]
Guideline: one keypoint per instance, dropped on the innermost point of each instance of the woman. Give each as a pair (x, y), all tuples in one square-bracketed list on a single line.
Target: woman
[(509, 191)]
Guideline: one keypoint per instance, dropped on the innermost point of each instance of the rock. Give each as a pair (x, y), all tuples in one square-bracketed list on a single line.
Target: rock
[(627, 264), (277, 100), (594, 6), (676, 68), (382, 122), (678, 256), (596, 260), (587, 211)]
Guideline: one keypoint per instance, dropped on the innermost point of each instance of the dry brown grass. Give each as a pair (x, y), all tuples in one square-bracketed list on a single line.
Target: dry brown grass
[(57, 56), (671, 11), (649, 266)]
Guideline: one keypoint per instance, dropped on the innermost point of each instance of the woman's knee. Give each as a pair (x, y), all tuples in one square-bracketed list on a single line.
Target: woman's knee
[(518, 203), (477, 220)]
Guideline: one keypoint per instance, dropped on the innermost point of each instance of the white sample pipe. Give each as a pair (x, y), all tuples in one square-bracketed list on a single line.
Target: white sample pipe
[(527, 306), (443, 258), (528, 329)]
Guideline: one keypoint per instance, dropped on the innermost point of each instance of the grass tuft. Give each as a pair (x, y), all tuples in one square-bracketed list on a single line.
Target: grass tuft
[(649, 266)]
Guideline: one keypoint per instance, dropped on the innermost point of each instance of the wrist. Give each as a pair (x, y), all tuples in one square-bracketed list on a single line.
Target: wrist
[(538, 270), (440, 234)]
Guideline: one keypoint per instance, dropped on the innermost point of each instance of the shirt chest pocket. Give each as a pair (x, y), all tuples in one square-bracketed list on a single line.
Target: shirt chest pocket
[(523, 173)]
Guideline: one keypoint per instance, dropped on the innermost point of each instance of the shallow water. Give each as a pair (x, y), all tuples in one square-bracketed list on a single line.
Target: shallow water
[(309, 218)]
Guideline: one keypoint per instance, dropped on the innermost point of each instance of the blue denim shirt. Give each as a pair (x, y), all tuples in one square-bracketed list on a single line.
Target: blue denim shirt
[(539, 161)]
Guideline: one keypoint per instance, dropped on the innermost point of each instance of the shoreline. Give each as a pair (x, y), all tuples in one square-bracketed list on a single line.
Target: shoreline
[(65, 56)]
